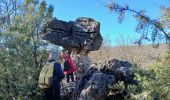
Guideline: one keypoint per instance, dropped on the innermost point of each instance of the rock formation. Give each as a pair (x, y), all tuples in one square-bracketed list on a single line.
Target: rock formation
[(84, 33), (79, 37), (99, 80), (94, 82)]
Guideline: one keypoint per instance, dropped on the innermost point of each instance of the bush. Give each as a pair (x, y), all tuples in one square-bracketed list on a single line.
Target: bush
[(154, 82)]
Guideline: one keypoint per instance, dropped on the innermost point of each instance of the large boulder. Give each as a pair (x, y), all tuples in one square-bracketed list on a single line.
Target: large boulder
[(99, 80), (84, 33)]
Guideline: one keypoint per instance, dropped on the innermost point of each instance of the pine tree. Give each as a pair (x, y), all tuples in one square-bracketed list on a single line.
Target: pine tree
[(22, 52)]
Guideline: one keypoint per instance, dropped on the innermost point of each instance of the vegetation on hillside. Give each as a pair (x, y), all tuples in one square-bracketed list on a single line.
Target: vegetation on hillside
[(154, 82)]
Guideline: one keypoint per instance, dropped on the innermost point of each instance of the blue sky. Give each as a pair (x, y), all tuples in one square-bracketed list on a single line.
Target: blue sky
[(71, 9)]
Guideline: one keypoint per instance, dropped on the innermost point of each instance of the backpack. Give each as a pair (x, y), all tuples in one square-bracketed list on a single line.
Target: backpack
[(46, 76), (66, 65)]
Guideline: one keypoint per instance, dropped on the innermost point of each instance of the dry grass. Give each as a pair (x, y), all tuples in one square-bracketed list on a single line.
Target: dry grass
[(144, 55)]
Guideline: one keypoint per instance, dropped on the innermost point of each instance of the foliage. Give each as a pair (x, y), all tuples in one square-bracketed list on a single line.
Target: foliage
[(154, 82), (165, 18), (22, 52)]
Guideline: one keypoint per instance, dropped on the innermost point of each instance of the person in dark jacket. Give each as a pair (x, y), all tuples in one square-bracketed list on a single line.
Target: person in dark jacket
[(53, 93)]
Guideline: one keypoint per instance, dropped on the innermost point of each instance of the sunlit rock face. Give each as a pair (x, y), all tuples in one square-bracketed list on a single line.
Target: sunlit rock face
[(83, 33)]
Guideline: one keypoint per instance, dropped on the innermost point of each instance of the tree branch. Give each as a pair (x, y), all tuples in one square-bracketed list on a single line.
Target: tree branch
[(144, 21)]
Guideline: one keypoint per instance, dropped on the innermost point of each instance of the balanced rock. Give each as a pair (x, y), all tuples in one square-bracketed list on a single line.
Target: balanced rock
[(84, 33)]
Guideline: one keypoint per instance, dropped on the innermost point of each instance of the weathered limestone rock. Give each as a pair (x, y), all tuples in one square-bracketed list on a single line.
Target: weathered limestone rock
[(99, 79), (86, 25), (84, 33), (96, 88), (84, 62), (58, 26)]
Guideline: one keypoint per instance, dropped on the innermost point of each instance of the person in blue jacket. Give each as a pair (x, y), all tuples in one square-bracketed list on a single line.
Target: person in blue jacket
[(53, 93)]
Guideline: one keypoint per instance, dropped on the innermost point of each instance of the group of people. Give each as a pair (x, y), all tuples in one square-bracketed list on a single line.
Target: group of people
[(59, 60)]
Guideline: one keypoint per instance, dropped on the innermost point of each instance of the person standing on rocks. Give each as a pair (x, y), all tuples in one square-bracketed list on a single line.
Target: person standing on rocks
[(69, 66)]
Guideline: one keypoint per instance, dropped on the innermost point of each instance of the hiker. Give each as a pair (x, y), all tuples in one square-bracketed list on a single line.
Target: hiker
[(53, 92), (69, 66)]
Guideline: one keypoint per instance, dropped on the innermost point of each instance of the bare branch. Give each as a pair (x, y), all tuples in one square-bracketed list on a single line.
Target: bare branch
[(8, 10), (145, 23)]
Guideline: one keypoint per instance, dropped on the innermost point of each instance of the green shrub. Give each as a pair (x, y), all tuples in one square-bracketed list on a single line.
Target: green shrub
[(154, 82)]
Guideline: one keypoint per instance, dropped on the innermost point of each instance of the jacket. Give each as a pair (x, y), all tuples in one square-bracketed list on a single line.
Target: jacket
[(72, 66), (58, 74)]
